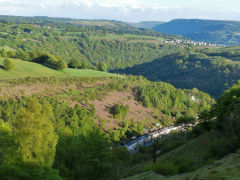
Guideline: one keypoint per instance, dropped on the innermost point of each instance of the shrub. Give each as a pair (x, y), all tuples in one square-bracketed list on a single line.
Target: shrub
[(74, 63), (51, 61), (166, 168), (102, 67), (119, 111), (8, 64)]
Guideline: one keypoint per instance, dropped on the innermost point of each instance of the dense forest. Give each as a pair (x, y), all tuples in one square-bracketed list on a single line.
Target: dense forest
[(210, 70)]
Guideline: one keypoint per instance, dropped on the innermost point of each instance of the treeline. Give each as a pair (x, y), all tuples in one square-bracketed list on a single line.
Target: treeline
[(52, 61)]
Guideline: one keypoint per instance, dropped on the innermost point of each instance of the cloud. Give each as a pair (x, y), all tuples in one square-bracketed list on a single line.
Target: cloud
[(125, 10)]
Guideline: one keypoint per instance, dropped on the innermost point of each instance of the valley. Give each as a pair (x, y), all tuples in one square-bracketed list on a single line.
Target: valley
[(104, 99)]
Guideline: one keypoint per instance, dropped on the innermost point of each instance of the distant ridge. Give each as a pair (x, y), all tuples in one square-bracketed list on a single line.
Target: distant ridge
[(211, 31), (146, 24)]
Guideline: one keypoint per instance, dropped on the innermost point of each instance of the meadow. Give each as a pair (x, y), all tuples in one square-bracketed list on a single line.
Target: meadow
[(25, 69)]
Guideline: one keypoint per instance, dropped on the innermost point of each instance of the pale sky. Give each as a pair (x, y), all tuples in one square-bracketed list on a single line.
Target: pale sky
[(125, 10)]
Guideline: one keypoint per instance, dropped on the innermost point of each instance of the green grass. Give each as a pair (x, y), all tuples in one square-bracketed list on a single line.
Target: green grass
[(145, 176), (25, 69), (89, 73), (227, 168), (196, 157)]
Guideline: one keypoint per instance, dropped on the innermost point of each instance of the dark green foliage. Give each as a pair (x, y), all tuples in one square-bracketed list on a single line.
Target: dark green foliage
[(172, 141), (80, 63), (88, 157), (208, 73), (119, 111), (8, 64), (185, 121), (181, 165), (51, 61), (172, 101), (166, 169), (227, 114), (74, 63), (28, 149), (102, 67), (28, 172)]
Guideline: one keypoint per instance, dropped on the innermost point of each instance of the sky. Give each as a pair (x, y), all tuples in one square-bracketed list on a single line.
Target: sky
[(125, 10)]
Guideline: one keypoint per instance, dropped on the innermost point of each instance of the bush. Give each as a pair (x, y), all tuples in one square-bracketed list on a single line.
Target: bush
[(8, 64), (119, 111), (74, 63), (51, 61), (166, 168), (102, 67), (27, 172)]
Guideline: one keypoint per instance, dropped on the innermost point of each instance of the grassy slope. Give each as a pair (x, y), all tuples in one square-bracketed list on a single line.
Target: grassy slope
[(196, 151), (25, 69), (88, 72), (227, 168)]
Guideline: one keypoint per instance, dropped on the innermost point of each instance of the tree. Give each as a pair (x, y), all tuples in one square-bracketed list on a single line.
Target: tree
[(8, 64), (227, 112), (74, 63), (34, 134), (102, 67), (185, 122), (60, 65), (123, 159), (28, 148), (80, 64), (119, 111), (51, 61), (85, 156)]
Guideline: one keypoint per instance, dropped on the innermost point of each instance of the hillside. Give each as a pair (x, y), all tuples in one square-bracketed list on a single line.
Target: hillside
[(85, 113), (227, 168), (210, 70), (211, 31), (24, 69), (64, 114), (115, 43), (208, 150)]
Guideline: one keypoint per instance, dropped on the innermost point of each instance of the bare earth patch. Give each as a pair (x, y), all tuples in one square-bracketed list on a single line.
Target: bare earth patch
[(136, 111), (43, 89)]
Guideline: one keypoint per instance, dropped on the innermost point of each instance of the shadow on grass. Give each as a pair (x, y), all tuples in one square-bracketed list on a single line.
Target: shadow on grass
[(2, 67)]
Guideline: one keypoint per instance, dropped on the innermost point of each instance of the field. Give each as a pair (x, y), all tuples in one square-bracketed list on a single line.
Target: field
[(25, 69), (88, 72)]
